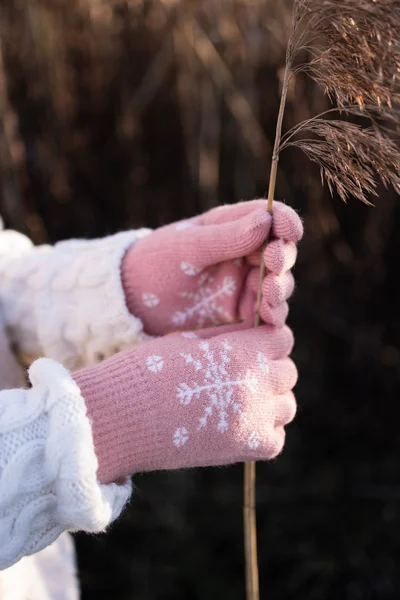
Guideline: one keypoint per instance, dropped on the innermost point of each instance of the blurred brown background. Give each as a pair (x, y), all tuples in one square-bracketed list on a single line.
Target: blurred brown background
[(116, 114)]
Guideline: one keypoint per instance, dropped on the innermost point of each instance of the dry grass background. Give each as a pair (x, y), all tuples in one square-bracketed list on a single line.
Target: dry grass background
[(116, 114)]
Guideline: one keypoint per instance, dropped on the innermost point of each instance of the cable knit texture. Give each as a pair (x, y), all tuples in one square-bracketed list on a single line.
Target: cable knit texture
[(215, 397), (204, 271), (67, 302), (34, 576), (48, 466)]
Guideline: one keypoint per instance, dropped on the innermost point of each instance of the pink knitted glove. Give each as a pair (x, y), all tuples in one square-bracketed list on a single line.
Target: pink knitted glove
[(204, 271), (190, 400)]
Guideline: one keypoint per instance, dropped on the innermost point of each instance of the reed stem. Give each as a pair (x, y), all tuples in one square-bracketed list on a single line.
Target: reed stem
[(249, 505)]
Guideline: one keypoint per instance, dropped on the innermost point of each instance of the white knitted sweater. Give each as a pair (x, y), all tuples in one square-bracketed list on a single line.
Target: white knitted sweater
[(66, 303)]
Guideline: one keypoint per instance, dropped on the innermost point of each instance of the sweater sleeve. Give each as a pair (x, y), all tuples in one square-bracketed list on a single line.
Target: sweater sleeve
[(67, 301), (48, 466)]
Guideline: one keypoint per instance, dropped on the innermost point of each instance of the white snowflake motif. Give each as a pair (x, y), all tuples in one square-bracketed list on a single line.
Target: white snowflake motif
[(155, 363), (263, 363), (181, 436), (150, 300), (189, 269), (254, 440), (190, 360), (205, 307), (217, 388)]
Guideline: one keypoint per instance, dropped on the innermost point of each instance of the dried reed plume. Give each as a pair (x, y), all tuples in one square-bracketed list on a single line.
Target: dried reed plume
[(354, 46), (350, 156), (353, 52)]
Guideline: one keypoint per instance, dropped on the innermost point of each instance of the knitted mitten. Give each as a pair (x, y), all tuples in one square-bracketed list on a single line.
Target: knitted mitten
[(204, 271), (215, 397)]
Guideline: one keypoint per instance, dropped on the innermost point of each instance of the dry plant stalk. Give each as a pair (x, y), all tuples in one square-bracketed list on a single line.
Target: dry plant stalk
[(353, 47)]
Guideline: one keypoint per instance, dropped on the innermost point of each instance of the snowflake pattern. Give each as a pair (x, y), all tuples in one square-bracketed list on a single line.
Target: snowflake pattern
[(181, 436), (150, 300), (263, 363), (189, 269), (155, 363), (254, 440), (205, 306), (216, 386)]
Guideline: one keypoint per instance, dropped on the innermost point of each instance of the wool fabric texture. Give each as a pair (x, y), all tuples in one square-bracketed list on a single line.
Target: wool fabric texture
[(51, 573), (67, 302), (48, 466)]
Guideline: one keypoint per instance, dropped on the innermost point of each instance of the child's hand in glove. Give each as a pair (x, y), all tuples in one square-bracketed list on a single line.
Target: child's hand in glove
[(185, 400), (204, 271)]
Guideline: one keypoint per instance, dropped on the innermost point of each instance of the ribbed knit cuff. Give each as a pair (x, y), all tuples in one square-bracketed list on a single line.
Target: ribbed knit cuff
[(119, 397)]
